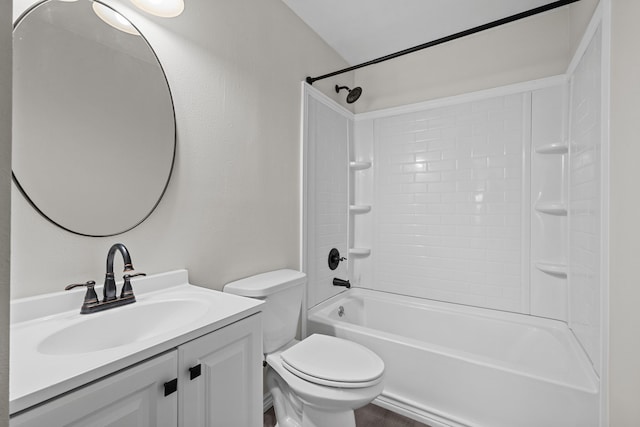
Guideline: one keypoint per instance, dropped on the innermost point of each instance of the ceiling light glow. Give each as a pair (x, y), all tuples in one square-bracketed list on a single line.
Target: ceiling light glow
[(162, 8), (114, 19)]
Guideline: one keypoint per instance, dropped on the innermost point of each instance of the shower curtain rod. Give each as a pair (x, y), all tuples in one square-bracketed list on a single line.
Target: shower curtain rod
[(449, 38)]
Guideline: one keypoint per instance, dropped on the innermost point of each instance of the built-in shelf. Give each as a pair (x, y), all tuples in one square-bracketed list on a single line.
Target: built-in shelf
[(357, 166), (360, 252), (359, 209), (552, 208), (552, 268), (554, 148)]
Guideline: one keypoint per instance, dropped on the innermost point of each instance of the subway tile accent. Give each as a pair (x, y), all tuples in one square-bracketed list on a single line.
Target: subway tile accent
[(448, 203)]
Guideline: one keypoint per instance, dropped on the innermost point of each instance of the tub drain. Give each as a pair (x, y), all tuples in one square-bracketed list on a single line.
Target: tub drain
[(341, 311)]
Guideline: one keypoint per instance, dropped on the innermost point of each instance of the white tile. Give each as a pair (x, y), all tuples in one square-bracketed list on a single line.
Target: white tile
[(444, 251)]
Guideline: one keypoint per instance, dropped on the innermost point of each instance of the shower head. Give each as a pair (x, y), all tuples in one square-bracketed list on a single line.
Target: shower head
[(354, 93)]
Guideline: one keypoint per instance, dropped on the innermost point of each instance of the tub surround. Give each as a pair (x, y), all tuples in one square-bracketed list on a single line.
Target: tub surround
[(548, 227), (327, 134), (449, 201), (462, 199), (586, 175), (456, 212)]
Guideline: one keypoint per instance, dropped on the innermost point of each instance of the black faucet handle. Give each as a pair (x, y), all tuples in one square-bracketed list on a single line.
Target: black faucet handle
[(127, 290), (129, 276), (88, 284), (335, 258), (90, 297)]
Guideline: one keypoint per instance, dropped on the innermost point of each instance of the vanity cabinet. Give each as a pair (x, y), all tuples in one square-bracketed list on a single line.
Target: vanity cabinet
[(218, 382), (226, 367), (130, 398)]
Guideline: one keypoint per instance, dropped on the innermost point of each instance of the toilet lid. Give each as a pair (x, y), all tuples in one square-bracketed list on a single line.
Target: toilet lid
[(332, 361)]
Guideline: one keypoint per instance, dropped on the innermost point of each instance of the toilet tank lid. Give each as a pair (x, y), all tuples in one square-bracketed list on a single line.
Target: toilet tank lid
[(261, 285)]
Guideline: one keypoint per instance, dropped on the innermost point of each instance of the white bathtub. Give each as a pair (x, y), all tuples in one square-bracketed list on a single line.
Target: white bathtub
[(453, 365)]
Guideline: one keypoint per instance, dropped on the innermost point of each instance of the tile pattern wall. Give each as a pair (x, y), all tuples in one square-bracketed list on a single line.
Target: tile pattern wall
[(449, 201), (585, 201), (327, 139)]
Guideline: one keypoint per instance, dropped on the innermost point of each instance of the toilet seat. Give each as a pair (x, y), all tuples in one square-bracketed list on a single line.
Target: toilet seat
[(333, 398), (333, 362)]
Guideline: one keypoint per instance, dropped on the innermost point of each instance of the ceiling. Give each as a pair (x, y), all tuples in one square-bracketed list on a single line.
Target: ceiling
[(361, 30)]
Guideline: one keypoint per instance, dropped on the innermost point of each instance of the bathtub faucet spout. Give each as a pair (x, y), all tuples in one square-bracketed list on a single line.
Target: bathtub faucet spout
[(340, 282)]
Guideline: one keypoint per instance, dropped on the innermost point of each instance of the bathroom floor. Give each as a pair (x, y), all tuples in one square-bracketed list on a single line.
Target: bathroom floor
[(369, 416)]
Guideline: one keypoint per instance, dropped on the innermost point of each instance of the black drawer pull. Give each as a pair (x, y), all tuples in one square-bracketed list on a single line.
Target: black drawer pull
[(195, 372), (171, 387)]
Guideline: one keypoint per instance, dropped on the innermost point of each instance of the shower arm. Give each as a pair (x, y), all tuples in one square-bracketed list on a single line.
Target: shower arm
[(449, 38)]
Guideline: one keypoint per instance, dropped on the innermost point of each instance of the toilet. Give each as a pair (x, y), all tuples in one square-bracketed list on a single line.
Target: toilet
[(316, 382)]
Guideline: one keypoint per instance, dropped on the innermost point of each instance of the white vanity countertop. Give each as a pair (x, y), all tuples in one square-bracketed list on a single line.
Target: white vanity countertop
[(37, 375)]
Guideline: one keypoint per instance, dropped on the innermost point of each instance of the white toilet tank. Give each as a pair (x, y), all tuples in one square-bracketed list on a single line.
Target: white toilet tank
[(282, 291)]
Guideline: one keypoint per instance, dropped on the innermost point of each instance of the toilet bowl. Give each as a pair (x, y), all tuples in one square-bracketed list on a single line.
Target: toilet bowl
[(316, 382)]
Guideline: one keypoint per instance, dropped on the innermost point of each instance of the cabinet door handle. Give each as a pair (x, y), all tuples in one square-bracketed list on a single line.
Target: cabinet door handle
[(195, 372), (170, 387)]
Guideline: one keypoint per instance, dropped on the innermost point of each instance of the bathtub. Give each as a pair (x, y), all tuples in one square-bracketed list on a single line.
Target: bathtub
[(449, 365)]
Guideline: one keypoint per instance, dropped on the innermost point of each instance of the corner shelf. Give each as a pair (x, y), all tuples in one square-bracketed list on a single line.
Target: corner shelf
[(360, 252), (553, 268), (552, 208), (554, 148), (358, 166), (359, 209)]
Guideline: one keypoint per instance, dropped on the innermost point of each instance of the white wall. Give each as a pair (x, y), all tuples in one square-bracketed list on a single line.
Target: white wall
[(5, 207), (624, 277), (231, 208), (580, 14), (532, 48)]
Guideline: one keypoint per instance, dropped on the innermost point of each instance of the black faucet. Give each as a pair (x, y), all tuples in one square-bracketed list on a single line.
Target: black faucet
[(91, 303), (109, 290)]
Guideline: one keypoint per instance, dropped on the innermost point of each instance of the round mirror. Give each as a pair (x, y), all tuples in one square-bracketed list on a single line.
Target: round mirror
[(93, 119)]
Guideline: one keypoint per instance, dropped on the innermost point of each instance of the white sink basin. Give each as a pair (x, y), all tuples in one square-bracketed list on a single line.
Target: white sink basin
[(55, 349), (122, 326)]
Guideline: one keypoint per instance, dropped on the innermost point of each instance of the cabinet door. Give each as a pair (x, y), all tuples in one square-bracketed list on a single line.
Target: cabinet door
[(228, 391), (132, 398)]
